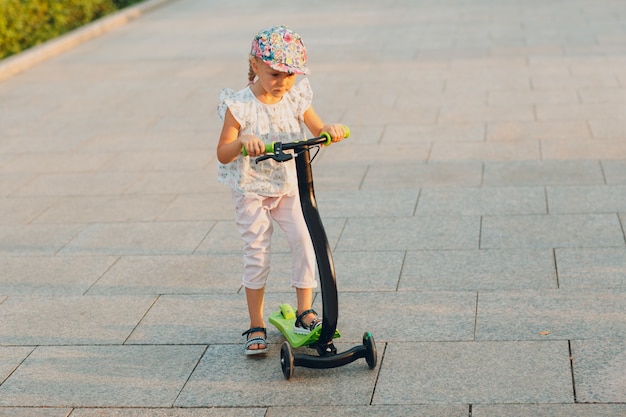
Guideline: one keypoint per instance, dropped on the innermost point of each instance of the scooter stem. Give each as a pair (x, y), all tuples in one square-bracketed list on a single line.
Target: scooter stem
[(323, 254)]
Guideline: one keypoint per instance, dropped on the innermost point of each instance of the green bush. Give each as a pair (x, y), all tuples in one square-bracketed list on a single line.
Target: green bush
[(123, 3), (26, 23)]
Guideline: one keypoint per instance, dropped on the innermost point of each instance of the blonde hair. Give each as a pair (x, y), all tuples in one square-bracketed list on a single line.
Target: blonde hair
[(251, 73)]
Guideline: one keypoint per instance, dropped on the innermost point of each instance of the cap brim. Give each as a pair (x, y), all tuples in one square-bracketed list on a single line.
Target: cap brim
[(289, 68)]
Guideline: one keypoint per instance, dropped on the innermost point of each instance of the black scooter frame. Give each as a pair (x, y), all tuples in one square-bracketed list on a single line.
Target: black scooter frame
[(328, 356)]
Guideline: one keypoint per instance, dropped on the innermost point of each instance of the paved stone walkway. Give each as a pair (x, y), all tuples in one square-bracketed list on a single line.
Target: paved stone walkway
[(476, 214)]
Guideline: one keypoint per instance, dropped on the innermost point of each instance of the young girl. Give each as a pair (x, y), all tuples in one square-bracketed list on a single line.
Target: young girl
[(271, 109)]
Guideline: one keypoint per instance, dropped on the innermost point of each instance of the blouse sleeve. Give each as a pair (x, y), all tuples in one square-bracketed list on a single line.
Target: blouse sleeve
[(232, 100), (303, 97)]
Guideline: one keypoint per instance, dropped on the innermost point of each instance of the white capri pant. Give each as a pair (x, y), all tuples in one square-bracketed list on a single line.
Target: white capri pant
[(254, 215)]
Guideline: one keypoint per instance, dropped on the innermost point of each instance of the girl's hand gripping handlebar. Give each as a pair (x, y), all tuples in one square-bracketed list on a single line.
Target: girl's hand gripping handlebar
[(274, 150)]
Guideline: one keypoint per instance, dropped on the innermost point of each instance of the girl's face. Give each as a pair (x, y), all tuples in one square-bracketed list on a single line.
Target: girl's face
[(271, 85)]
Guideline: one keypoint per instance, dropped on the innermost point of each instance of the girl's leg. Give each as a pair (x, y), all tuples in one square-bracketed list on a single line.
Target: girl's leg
[(255, 299), (252, 214), (255, 227), (305, 301), (288, 215)]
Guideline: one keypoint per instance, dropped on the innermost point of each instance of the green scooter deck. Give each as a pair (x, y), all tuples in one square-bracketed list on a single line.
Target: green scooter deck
[(285, 318)]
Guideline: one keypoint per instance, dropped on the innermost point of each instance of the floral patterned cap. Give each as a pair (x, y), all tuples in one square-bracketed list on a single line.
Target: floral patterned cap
[(282, 49)]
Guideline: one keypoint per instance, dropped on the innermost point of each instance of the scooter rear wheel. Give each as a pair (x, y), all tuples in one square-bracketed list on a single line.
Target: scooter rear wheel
[(287, 360)]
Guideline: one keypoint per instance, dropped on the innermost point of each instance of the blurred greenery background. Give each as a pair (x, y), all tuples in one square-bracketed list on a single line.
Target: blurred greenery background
[(26, 23)]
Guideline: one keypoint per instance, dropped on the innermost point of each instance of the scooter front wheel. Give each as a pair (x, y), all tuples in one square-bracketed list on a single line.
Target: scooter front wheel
[(287, 360)]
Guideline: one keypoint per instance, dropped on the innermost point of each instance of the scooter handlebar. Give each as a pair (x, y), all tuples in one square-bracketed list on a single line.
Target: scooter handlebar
[(329, 139), (269, 147)]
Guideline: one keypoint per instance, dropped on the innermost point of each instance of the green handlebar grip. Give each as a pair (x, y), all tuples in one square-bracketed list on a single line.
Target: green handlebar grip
[(346, 134), (269, 148)]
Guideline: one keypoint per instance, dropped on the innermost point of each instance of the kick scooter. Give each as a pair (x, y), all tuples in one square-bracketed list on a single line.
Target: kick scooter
[(320, 339)]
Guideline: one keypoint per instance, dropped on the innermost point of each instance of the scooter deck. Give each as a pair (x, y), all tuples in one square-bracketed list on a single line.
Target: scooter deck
[(285, 318)]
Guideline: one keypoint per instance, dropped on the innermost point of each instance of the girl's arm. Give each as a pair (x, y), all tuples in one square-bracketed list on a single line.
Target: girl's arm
[(317, 126), (229, 146)]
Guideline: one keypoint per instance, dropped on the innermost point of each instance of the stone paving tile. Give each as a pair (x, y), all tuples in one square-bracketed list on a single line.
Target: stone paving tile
[(226, 378), (498, 113), (223, 238), (579, 111), (368, 133), (327, 174), (34, 412), (608, 129), (58, 320), (10, 183), (511, 173), (586, 199), (496, 76), (416, 175), (387, 114), (144, 141), (373, 411), (39, 239), (482, 200), (548, 231), (176, 274), (170, 412), (196, 319), (448, 132), (52, 275), (367, 203), (10, 359), (408, 316), (78, 184), (170, 160), (573, 82), (163, 238), (380, 153), (56, 163), (583, 150), (185, 182), (591, 268), (498, 97), (602, 95), (485, 151), (513, 131), (101, 376), (411, 233), (550, 314), (478, 270), (105, 209), (548, 410), (475, 372), (600, 370), (23, 210), (615, 171), (368, 271)]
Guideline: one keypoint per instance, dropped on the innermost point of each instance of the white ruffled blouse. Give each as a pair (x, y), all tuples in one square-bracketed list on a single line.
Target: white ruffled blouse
[(280, 122)]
